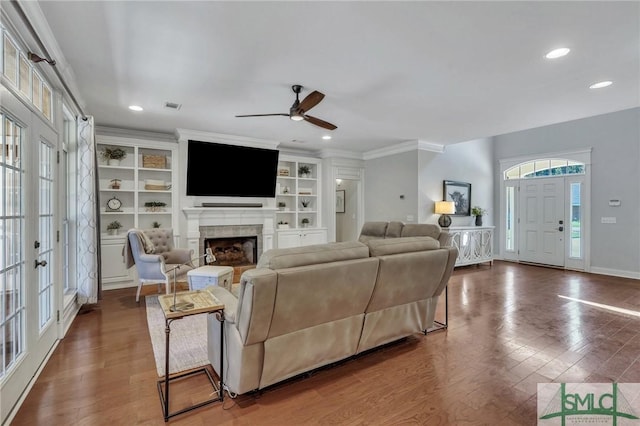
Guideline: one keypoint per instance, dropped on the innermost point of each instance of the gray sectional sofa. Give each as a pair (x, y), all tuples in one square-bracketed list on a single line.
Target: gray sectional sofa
[(306, 307)]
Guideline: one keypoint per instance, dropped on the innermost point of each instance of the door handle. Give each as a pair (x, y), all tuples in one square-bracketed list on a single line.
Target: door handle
[(41, 263), (560, 228)]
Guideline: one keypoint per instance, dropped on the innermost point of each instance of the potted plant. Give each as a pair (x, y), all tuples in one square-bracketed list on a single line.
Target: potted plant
[(155, 206), (113, 155), (478, 212), (304, 222), (115, 183), (283, 225), (304, 171), (112, 228), (282, 205), (156, 224), (305, 203)]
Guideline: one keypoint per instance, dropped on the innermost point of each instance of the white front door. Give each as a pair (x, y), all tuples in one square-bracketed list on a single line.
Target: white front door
[(542, 221), (28, 248)]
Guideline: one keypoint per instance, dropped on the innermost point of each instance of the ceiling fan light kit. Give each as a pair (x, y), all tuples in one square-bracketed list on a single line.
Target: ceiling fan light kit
[(298, 110)]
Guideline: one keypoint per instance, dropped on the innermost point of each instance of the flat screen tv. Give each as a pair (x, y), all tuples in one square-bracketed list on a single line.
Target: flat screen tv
[(222, 170)]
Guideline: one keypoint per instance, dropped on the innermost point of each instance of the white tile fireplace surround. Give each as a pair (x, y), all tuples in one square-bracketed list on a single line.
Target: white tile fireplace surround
[(223, 222)]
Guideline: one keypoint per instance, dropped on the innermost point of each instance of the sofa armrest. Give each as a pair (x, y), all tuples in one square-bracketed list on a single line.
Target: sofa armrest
[(256, 300), (228, 300), (445, 239)]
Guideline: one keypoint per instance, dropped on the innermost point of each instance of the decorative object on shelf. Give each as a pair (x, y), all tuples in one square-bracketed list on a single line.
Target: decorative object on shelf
[(478, 212), (114, 204), (156, 185), (283, 225), (113, 155), (304, 171), (156, 225), (340, 194), (112, 228), (154, 161), (305, 191), (304, 222), (460, 194), (445, 208), (286, 190), (114, 183), (155, 206), (283, 171), (305, 203), (282, 205)]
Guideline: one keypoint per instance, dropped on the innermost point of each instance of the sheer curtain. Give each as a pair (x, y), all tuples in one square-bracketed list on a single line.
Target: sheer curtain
[(89, 285)]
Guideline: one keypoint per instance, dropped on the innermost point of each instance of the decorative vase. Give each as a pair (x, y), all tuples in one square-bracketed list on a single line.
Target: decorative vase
[(113, 162), (478, 220), (112, 231)]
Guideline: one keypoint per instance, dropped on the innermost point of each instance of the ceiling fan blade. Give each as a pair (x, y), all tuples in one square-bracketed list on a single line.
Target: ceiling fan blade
[(262, 115), (311, 100), (321, 123)]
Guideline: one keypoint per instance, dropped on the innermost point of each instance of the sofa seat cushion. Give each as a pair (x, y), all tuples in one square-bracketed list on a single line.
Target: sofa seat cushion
[(312, 255), (402, 245)]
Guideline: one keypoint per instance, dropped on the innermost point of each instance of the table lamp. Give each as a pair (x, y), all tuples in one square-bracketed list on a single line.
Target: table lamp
[(445, 208)]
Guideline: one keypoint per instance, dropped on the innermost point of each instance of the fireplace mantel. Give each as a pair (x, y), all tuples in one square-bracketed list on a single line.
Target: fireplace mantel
[(220, 216)]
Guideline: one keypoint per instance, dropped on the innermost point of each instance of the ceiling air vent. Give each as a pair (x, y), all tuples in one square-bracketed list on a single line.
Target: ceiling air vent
[(172, 105)]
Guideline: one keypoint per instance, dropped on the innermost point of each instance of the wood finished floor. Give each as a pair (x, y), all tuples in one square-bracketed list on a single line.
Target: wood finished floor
[(508, 331)]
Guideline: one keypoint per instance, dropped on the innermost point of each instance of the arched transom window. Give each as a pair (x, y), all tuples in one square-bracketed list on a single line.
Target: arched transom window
[(543, 168)]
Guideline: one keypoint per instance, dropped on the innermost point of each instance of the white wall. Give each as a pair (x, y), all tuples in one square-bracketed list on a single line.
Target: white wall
[(615, 139)]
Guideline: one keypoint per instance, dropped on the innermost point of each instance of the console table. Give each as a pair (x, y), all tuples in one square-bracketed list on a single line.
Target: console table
[(200, 302), (474, 244)]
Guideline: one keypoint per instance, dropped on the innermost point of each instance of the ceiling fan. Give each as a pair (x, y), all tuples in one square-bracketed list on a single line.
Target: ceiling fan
[(298, 110)]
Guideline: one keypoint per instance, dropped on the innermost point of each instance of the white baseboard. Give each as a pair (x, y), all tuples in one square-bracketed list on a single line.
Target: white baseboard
[(615, 273), (118, 285)]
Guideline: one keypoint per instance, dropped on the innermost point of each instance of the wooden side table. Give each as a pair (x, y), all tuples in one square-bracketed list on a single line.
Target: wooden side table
[(200, 302)]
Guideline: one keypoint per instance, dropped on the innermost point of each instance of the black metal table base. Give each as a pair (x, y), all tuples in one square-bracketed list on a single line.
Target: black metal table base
[(165, 402), (164, 391)]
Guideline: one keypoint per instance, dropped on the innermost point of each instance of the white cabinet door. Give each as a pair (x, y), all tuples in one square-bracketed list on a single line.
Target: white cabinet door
[(113, 267), (313, 236), (288, 239), (301, 237)]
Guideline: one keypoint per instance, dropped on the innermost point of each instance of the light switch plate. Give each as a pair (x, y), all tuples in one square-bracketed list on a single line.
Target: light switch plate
[(608, 220)]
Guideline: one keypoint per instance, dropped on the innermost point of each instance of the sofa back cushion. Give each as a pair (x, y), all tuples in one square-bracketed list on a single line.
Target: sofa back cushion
[(401, 245), (421, 230), (394, 230), (372, 230), (312, 255), (311, 295)]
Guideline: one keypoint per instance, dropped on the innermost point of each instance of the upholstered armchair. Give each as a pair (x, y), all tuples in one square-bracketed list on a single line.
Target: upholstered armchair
[(153, 253)]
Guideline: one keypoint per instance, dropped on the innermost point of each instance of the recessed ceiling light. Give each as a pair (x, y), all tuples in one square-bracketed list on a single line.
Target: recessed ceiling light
[(557, 53), (326, 137), (135, 108), (601, 84)]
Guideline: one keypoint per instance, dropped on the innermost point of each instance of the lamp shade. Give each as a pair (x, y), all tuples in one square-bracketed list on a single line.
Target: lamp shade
[(445, 207)]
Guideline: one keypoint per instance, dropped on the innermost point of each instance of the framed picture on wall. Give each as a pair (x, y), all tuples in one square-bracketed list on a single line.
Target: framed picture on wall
[(340, 201), (460, 194)]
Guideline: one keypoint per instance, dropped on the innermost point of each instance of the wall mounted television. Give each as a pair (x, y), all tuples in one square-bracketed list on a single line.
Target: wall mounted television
[(222, 170)]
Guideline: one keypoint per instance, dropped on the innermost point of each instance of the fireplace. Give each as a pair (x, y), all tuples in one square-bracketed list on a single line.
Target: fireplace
[(234, 251)]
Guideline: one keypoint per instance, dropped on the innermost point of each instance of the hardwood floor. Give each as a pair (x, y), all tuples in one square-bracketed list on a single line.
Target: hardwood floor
[(508, 330)]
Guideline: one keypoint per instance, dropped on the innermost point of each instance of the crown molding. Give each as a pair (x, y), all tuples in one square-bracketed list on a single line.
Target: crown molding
[(408, 146), (184, 135)]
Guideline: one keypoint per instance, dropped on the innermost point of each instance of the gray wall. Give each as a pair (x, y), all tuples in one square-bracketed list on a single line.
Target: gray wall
[(615, 139), (470, 162), (418, 175), (388, 178)]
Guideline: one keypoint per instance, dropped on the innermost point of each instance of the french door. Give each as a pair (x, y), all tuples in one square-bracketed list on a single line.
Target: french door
[(28, 247)]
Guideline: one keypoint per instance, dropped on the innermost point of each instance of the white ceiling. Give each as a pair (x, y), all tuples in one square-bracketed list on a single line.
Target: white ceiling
[(439, 72)]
